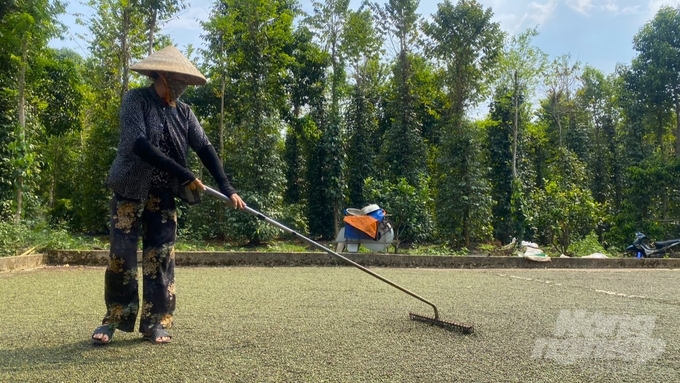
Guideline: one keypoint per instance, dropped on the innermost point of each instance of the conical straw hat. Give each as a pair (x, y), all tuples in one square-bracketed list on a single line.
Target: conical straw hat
[(170, 59)]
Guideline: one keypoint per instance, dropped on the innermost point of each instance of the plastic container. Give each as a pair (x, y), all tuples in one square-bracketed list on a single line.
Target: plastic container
[(356, 234)]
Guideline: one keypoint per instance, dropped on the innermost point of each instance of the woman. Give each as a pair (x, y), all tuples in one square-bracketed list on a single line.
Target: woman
[(148, 173)]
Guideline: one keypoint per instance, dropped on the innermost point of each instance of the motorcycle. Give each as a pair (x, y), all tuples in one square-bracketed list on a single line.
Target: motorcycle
[(643, 247)]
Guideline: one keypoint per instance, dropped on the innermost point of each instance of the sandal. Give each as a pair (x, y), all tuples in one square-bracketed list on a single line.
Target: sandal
[(105, 329), (158, 332)]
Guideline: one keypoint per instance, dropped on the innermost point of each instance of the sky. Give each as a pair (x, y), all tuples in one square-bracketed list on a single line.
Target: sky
[(598, 33)]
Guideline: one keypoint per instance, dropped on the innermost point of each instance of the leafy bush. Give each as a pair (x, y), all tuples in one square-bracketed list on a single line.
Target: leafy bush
[(406, 205), (13, 239), (16, 239), (586, 246), (443, 249), (564, 211)]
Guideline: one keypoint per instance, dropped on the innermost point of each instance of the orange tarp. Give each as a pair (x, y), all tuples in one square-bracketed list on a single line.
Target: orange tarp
[(365, 223)]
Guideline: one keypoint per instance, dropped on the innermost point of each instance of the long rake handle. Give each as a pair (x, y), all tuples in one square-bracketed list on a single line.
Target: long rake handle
[(263, 217)]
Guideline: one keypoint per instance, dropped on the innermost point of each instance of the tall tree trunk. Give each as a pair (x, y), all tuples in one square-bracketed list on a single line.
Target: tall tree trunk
[(224, 85), (335, 119), (677, 124), (53, 188), (152, 27), (660, 130), (515, 128), (558, 120), (22, 124), (125, 54)]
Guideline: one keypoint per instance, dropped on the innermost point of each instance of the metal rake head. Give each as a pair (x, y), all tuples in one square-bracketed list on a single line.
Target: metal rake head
[(459, 327)]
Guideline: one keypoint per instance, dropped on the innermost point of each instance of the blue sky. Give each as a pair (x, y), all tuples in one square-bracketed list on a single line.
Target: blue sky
[(595, 32)]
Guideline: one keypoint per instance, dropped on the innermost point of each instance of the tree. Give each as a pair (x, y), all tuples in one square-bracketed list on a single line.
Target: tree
[(467, 46), (403, 152), (25, 31), (252, 38), (60, 112), (155, 10), (305, 89), (564, 211), (560, 87), (463, 200), (363, 55), (658, 44), (117, 36), (328, 22), (595, 99), (521, 66), (499, 147)]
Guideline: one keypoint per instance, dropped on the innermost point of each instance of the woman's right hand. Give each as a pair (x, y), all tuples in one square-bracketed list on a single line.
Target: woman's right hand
[(196, 184)]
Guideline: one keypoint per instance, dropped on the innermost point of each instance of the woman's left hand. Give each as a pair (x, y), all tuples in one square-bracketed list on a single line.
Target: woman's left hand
[(237, 202)]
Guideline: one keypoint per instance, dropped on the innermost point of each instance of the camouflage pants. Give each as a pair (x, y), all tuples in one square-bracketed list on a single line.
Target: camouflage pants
[(156, 218)]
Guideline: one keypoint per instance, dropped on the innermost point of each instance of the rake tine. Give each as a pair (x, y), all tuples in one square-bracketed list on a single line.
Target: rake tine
[(452, 326), (466, 329)]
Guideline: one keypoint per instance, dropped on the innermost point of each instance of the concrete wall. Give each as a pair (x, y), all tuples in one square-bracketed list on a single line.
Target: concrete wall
[(99, 258), (187, 259), (21, 263)]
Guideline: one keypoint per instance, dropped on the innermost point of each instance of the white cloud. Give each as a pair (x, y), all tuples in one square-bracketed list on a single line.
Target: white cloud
[(538, 13), (655, 5), (614, 7), (187, 20), (611, 6), (631, 10), (581, 6)]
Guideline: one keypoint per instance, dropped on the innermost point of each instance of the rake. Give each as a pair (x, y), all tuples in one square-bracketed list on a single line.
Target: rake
[(434, 320)]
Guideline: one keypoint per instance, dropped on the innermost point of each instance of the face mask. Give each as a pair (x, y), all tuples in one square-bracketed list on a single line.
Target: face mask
[(176, 88)]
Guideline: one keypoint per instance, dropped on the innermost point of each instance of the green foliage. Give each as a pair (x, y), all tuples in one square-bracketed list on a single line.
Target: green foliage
[(95, 158), (13, 239), (561, 216), (18, 238), (362, 44), (658, 44), (294, 163), (329, 23), (257, 172), (319, 207), (650, 205), (249, 43), (61, 94), (595, 98), (463, 200), (409, 207), (305, 88), (308, 115), (403, 150), (522, 64), (499, 145), (558, 111), (469, 47), (588, 245), (362, 144), (25, 29), (438, 250), (564, 211)]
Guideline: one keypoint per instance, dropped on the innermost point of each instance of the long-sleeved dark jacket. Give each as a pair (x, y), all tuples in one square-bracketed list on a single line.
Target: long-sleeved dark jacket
[(143, 117)]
